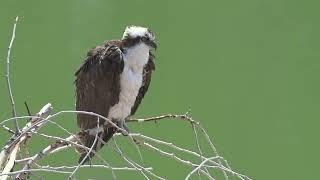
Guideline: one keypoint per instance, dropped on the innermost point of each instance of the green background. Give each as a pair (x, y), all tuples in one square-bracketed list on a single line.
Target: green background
[(248, 69)]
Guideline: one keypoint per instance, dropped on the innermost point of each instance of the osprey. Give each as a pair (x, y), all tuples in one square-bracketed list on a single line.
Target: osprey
[(112, 82)]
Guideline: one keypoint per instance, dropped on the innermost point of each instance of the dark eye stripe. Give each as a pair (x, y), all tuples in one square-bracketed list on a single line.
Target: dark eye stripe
[(144, 38)]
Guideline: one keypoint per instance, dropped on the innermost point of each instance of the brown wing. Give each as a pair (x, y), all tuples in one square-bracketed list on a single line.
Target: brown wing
[(97, 82), (147, 72)]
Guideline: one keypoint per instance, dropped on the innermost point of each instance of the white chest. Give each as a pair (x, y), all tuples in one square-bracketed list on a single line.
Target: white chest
[(130, 81)]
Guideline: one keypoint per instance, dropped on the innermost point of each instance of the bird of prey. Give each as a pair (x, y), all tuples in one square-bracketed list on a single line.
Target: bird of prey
[(112, 82)]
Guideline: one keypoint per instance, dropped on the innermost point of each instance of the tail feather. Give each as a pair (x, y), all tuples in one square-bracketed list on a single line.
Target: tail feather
[(88, 141)]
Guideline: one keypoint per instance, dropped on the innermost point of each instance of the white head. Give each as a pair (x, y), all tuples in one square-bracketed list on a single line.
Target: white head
[(136, 34), (137, 31)]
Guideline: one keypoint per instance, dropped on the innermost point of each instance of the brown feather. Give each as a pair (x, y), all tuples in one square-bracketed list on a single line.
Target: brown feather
[(97, 85), (97, 90)]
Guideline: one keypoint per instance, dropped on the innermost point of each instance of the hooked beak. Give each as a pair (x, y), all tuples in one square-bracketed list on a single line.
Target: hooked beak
[(153, 45)]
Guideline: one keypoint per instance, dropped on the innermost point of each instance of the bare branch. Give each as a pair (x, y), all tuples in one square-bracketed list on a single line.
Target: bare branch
[(88, 153), (63, 169), (93, 166), (10, 161), (26, 169), (199, 167), (172, 155), (8, 129), (92, 131), (10, 150), (62, 143), (134, 164), (185, 117), (35, 123), (199, 149), (13, 118), (14, 113)]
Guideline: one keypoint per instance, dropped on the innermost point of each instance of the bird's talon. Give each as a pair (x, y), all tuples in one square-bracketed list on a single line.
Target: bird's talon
[(124, 128)]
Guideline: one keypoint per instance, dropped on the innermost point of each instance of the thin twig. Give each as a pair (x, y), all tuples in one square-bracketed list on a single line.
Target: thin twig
[(190, 119), (14, 112), (13, 118), (62, 169), (128, 161), (199, 149), (92, 166), (214, 150), (8, 129), (24, 175), (164, 117), (93, 130), (173, 156), (9, 153), (134, 164), (28, 110), (35, 123), (88, 153), (199, 167)]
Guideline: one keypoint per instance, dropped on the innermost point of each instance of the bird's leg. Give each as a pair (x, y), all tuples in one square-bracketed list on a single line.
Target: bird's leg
[(122, 124)]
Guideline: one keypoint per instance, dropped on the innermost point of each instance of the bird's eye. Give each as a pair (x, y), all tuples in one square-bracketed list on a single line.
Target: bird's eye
[(144, 39)]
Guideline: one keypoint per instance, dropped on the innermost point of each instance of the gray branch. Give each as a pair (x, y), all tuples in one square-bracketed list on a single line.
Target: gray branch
[(14, 112)]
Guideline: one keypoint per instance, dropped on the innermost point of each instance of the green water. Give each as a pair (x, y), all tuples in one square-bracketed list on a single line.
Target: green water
[(249, 70)]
